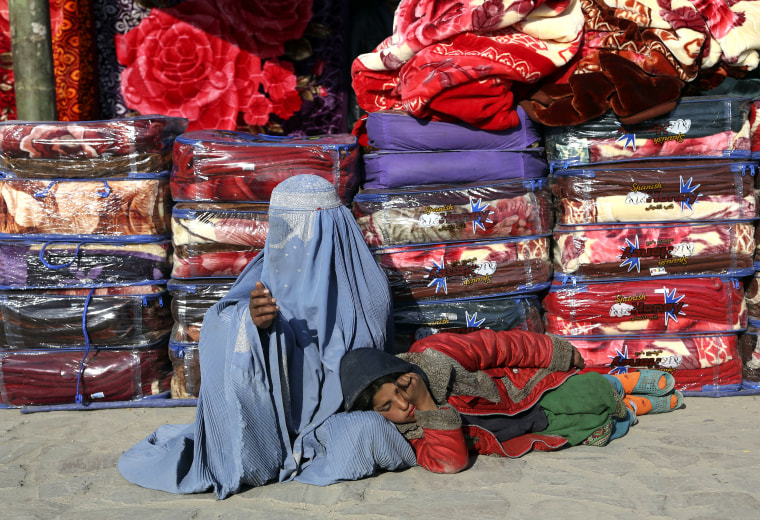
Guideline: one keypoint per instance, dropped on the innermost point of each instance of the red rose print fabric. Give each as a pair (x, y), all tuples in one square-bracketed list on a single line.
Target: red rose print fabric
[(204, 61)]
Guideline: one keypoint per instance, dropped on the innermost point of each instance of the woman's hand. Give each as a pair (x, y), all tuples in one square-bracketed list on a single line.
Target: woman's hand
[(262, 307), (415, 391), (578, 361)]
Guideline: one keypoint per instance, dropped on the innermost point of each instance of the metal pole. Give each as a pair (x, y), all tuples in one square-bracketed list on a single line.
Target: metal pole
[(31, 45)]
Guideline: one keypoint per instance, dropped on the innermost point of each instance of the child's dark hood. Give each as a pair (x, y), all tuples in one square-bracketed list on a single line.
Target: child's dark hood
[(360, 367)]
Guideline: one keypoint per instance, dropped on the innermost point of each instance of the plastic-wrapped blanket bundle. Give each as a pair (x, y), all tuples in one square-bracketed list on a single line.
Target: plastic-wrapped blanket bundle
[(103, 207), (421, 319), (754, 120), (36, 377), (702, 126), (186, 367), (630, 250), (752, 296), (216, 239), (189, 303), (399, 131), (749, 350), (85, 218), (659, 305), (224, 166), (467, 269), (700, 363), (687, 190), (65, 318), (413, 152), (83, 262), (453, 213), (116, 148)]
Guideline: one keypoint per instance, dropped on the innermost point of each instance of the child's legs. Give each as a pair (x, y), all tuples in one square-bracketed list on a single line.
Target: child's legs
[(619, 426)]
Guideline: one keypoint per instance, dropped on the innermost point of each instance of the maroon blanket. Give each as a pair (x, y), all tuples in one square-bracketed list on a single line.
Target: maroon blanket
[(39, 377), (240, 167)]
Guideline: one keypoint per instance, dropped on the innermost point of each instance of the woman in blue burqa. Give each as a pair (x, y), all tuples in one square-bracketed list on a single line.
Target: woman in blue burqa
[(267, 406)]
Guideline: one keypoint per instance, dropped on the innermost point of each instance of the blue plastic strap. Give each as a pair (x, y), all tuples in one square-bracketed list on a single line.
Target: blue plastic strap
[(43, 193), (78, 397), (61, 266), (106, 190)]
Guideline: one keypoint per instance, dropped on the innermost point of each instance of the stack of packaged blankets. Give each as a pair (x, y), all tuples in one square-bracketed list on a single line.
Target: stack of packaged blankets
[(85, 255), (749, 342), (222, 182), (460, 221), (654, 241)]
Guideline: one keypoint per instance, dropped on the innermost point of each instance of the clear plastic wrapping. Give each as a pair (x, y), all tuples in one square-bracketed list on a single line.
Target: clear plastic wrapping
[(752, 296), (190, 301), (217, 239), (667, 304), (65, 318), (754, 131), (103, 207), (749, 350), (75, 262), (398, 130), (702, 126), (620, 251), (64, 149), (419, 320), (220, 223), (50, 377), (698, 362), (452, 213), (384, 169), (654, 192), (227, 166), (186, 376), (466, 270)]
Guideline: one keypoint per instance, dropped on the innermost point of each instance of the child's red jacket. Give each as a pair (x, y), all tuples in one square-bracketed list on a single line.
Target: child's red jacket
[(484, 372)]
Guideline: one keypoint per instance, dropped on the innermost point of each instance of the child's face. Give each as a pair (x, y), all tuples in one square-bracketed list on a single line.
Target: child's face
[(393, 404)]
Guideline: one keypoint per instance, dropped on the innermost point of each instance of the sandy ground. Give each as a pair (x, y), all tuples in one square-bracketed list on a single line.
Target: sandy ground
[(700, 462)]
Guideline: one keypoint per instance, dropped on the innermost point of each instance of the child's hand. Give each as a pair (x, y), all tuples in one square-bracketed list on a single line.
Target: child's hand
[(414, 390), (578, 361), (262, 307)]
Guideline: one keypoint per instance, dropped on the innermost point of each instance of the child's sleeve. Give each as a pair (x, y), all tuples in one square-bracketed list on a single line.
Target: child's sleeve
[(442, 447)]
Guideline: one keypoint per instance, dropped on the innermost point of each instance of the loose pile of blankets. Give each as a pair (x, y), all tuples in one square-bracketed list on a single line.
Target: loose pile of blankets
[(564, 61)]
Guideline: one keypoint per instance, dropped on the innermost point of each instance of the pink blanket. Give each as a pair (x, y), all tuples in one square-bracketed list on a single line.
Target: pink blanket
[(641, 250)]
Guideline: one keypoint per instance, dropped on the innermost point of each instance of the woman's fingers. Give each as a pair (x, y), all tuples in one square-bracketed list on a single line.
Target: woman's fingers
[(262, 306)]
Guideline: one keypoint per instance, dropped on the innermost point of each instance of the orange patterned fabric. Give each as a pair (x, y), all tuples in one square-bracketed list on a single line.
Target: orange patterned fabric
[(74, 58), (74, 61)]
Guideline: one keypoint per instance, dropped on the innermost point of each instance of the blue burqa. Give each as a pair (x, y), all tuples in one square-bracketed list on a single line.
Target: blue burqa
[(268, 400)]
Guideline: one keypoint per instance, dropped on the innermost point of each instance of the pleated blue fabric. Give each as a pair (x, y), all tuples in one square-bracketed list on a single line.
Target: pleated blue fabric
[(268, 400)]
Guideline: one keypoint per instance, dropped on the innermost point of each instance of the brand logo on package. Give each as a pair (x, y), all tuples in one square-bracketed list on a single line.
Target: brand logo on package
[(659, 199), (472, 323), (638, 306), (622, 361), (468, 270), (674, 130), (445, 216), (664, 250)]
